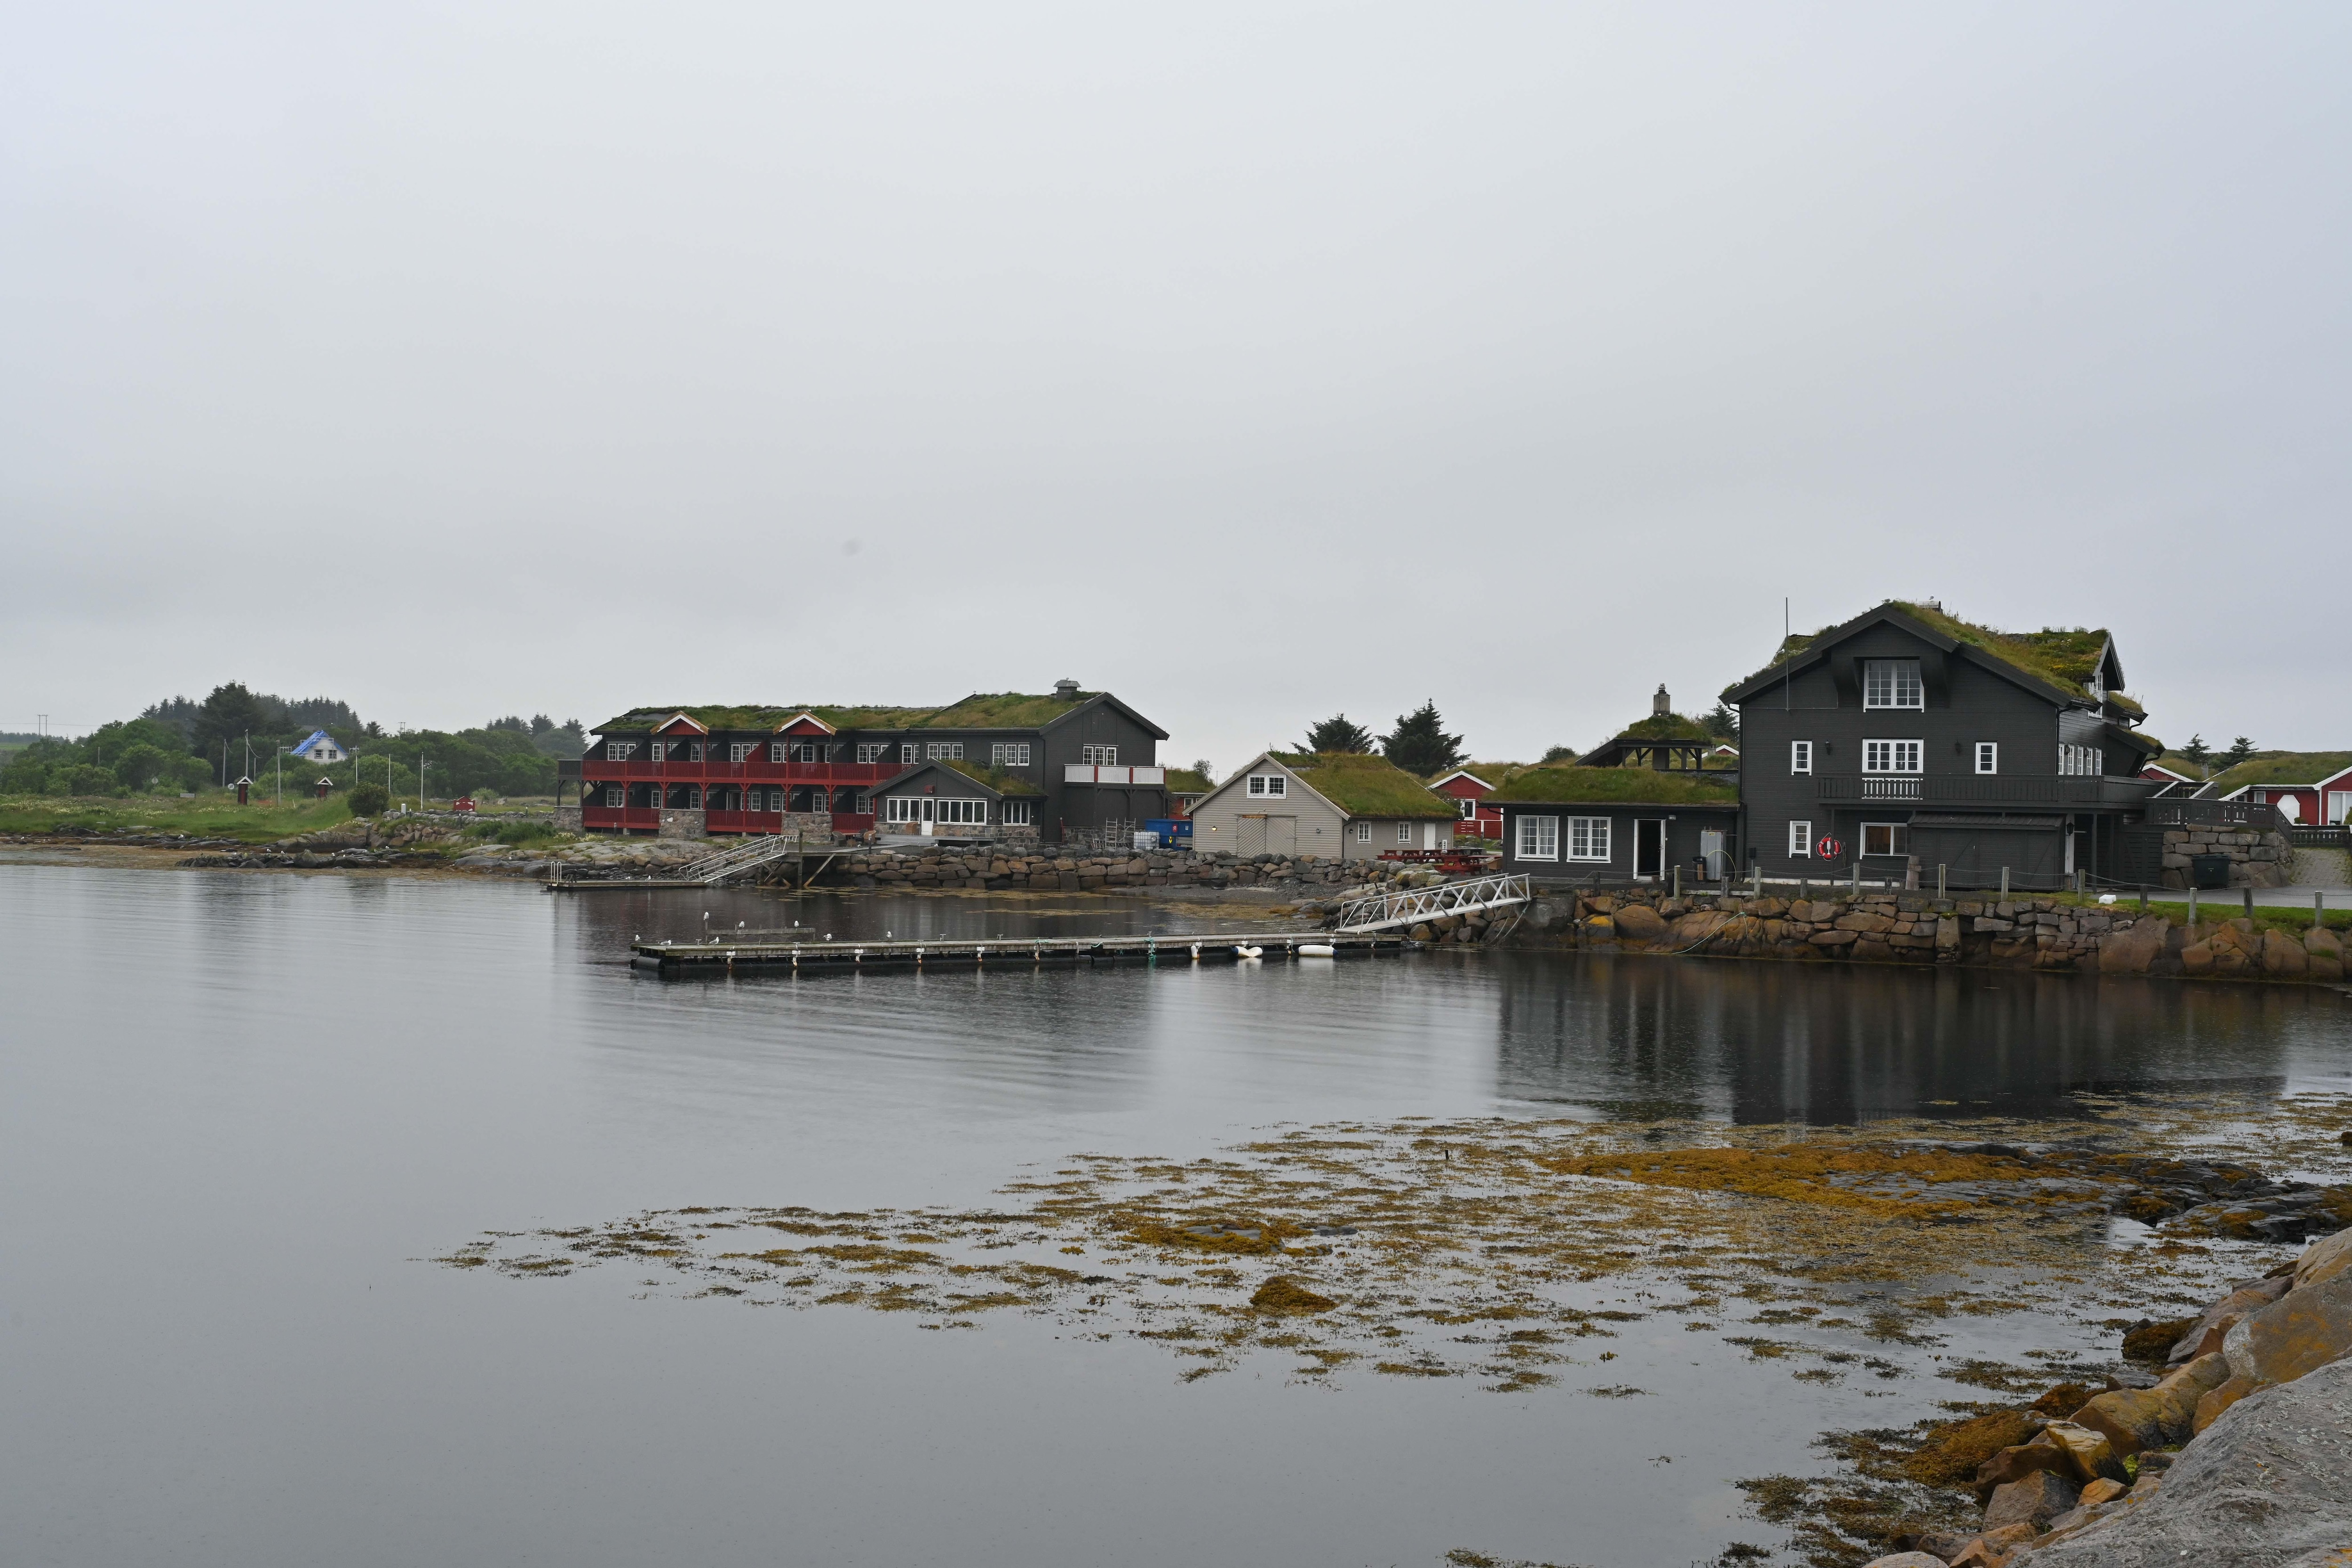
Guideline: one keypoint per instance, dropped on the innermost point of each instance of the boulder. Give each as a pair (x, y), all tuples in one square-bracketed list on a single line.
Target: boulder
[(2300, 1333), (2103, 1491), (1906, 1559), (1992, 1549), (2283, 956), (2132, 1420), (2033, 1499), (2204, 1337), (2325, 1260), (2215, 1401), (1640, 922), (2133, 949), (2263, 1487)]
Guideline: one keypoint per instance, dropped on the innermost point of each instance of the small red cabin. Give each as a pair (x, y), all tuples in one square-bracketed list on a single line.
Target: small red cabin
[(463, 802), (1469, 792)]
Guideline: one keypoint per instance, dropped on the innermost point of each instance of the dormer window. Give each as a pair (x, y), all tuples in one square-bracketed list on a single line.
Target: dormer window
[(1891, 683)]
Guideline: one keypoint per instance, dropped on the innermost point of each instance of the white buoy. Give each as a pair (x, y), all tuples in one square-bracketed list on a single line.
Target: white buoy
[(1248, 951), (1318, 950)]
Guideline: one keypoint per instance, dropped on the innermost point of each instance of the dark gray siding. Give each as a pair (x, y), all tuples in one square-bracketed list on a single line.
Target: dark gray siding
[(1685, 827)]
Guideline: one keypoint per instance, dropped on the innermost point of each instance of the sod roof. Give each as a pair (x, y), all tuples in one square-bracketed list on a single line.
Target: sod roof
[(981, 711), (1184, 781), (997, 779), (1665, 727), (1364, 785), (2282, 768), (2063, 656), (1644, 786)]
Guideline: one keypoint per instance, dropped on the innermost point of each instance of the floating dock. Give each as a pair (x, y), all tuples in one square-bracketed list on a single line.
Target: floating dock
[(797, 952)]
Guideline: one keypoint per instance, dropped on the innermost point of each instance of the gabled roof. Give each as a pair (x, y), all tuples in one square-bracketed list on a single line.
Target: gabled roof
[(2050, 662), (805, 723), (1611, 786), (686, 721), (312, 739), (1353, 784), (2306, 770), (980, 710), (1444, 779), (994, 780)]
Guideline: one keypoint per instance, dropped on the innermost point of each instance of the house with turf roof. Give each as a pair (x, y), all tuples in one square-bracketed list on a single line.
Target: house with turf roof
[(952, 798), (1648, 800), (1071, 759), (2313, 788), (1907, 739), (1337, 805)]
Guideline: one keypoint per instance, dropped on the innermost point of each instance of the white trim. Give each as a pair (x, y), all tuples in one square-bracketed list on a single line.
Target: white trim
[(1897, 753), (1269, 786), (1532, 837), (1894, 683), (1800, 757), (1898, 840), (1987, 756), (1594, 833), (1800, 840), (1458, 774)]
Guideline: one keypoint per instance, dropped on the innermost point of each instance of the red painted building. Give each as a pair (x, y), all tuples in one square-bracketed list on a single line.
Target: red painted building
[(1469, 792)]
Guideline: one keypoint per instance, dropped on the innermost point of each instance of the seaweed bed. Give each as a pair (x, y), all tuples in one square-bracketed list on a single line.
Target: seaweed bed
[(1510, 1252)]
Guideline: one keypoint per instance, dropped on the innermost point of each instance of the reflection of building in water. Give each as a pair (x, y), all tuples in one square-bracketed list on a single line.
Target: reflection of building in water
[(1636, 1038)]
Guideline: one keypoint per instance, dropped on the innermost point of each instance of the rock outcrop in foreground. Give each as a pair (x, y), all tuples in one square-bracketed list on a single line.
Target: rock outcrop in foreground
[(2239, 1457)]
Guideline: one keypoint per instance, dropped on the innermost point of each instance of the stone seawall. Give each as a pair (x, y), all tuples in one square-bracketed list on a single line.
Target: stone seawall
[(2256, 859), (1002, 867), (1876, 927)]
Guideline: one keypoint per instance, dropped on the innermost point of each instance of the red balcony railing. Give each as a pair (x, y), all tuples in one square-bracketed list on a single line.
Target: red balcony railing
[(596, 769)]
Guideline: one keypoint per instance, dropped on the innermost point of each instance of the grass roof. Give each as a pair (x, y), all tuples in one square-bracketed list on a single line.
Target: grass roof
[(1665, 727), (1184, 781), (981, 711), (1613, 785), (2284, 768), (1365, 785), (997, 779), (2063, 656)]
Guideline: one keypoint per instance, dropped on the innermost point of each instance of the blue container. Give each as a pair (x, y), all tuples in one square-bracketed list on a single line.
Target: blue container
[(1175, 832)]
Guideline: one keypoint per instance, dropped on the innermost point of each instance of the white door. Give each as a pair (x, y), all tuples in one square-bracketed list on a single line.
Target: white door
[(1429, 835), (2339, 806)]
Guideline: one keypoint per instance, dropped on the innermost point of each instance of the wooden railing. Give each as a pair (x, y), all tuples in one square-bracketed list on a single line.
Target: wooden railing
[(1940, 789)]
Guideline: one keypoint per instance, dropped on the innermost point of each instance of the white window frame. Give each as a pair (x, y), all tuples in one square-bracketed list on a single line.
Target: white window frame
[(942, 750), (1016, 813), (615, 796), (1468, 808), (619, 751), (1363, 832), (1269, 786), (1008, 753), (872, 751), (741, 750), (778, 750), (1589, 838), (1800, 756), (808, 752), (1896, 681), (1898, 838), (1987, 756), (1098, 757), (959, 810), (657, 750), (1800, 840), (910, 754), (1897, 757), (694, 751), (1535, 837)]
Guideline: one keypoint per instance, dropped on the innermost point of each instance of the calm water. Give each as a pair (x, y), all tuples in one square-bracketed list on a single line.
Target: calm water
[(236, 1110)]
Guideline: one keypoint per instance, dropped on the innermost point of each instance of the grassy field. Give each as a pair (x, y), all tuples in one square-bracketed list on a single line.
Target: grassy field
[(2228, 904), (208, 816)]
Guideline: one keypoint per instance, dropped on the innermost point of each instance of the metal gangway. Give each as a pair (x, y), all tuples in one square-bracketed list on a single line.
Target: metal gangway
[(750, 855), (1411, 906)]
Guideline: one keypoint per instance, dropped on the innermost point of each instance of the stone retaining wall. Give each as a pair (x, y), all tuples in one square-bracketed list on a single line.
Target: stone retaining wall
[(1921, 929), (1005, 867), (2256, 859)]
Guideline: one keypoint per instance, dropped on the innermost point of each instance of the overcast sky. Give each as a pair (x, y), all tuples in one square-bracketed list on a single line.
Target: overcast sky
[(1253, 362)]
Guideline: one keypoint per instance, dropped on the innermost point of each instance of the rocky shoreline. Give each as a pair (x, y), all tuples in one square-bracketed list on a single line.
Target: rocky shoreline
[(2237, 1452)]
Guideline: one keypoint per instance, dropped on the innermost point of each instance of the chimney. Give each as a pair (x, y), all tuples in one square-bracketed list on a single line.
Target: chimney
[(1066, 688), (1660, 705)]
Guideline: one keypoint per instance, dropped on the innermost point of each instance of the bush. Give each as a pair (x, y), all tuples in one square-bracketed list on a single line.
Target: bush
[(368, 800)]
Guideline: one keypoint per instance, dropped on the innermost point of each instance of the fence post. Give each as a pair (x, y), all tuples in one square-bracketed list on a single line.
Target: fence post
[(2192, 906), (1939, 878), (2142, 898), (2249, 901), (2004, 882), (1678, 879), (2318, 910), (1857, 876), (1755, 880)]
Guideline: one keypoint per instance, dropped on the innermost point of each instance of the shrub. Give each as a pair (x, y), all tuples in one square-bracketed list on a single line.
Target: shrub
[(368, 800)]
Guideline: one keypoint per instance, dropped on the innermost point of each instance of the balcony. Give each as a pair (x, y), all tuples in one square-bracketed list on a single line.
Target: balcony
[(1975, 790), (598, 770), (1096, 774)]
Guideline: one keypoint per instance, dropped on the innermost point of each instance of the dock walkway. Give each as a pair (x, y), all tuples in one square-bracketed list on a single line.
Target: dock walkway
[(765, 950)]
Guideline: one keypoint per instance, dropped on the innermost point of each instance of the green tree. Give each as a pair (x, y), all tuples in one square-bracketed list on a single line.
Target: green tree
[(1338, 734), (230, 713), (2240, 750), (1722, 722), (1207, 772), (1419, 744), (368, 799), (143, 768), (2196, 752), (1560, 755)]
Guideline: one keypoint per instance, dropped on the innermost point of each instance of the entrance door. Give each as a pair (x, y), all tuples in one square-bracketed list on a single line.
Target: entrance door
[(1710, 849), (1249, 834), (1649, 848), (1282, 836)]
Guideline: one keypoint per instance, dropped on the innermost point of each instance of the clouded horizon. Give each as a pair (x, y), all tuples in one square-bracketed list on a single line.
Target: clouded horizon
[(1253, 363)]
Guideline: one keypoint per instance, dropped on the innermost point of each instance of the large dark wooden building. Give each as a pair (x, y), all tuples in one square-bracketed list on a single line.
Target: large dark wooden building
[(1908, 740), (992, 764)]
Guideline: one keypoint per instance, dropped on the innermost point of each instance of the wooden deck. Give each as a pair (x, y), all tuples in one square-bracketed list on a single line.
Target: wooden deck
[(796, 952)]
